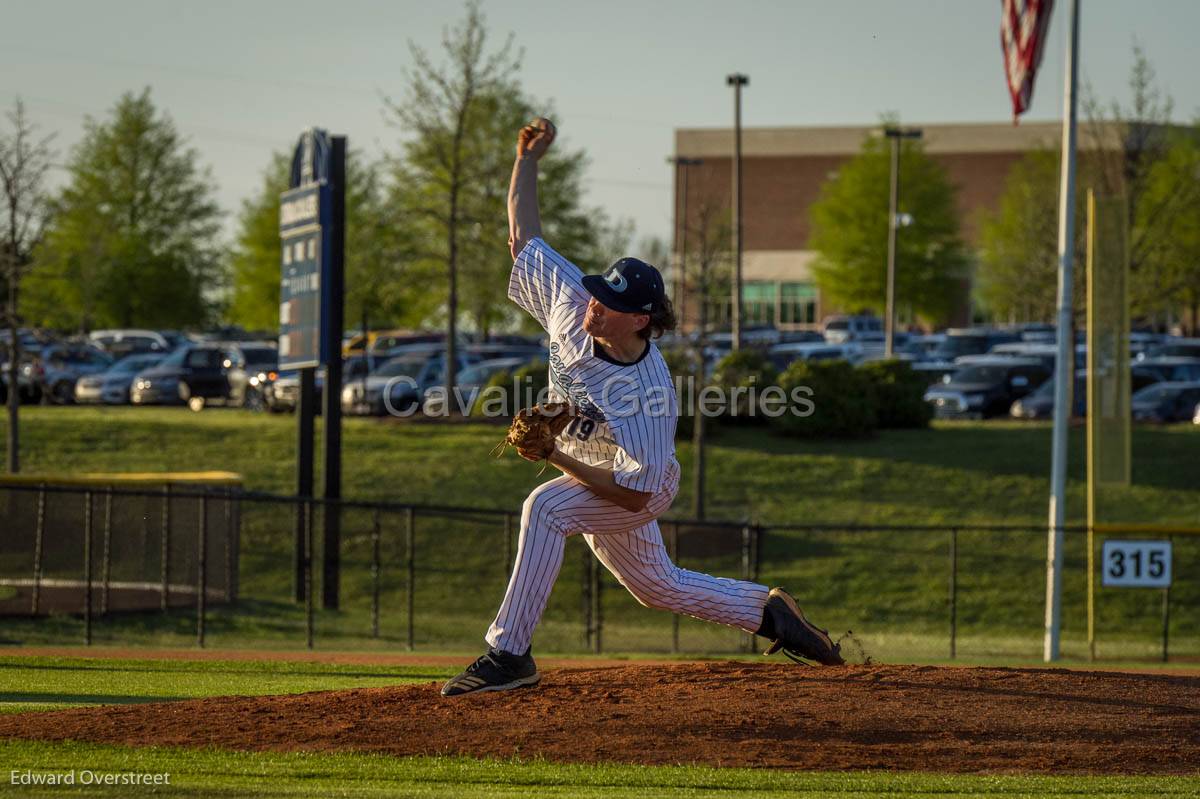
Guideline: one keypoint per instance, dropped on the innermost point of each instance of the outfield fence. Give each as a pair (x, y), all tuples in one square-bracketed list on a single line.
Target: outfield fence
[(225, 567)]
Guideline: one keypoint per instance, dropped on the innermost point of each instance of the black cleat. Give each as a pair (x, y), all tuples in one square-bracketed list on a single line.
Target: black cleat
[(796, 636), (494, 670)]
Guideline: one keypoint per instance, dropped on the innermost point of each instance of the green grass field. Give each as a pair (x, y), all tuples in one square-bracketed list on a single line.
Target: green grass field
[(966, 473), (205, 772), (891, 588)]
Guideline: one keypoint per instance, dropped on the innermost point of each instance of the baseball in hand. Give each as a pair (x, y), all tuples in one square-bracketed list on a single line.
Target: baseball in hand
[(535, 138)]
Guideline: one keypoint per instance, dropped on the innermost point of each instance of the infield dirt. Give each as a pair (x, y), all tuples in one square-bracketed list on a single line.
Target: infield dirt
[(918, 718)]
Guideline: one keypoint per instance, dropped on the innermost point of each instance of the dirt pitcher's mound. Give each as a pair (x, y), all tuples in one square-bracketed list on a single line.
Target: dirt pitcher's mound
[(729, 714)]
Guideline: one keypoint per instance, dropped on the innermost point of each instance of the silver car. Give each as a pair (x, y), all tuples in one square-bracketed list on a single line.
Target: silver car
[(111, 386), (62, 365)]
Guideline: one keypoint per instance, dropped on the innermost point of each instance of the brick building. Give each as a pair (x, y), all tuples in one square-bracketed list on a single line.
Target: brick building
[(782, 173)]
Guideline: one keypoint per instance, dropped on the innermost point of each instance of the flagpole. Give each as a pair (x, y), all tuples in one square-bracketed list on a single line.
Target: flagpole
[(1066, 346)]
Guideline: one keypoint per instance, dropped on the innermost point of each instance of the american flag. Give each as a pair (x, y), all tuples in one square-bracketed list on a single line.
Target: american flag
[(1022, 37)]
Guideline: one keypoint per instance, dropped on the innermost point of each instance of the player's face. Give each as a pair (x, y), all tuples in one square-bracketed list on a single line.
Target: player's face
[(603, 322)]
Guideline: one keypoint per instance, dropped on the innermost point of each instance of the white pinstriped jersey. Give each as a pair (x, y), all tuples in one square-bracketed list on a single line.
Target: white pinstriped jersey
[(628, 412)]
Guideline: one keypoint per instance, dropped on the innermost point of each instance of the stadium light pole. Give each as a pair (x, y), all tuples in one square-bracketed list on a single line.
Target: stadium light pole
[(894, 136), (737, 80)]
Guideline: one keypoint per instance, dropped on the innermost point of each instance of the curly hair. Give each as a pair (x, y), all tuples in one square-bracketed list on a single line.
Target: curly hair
[(662, 320)]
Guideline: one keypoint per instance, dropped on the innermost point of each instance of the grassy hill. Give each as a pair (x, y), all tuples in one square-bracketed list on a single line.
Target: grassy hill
[(890, 587)]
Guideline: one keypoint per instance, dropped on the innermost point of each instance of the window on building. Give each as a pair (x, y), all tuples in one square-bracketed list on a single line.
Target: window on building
[(769, 302), (758, 302), (797, 304), (719, 313)]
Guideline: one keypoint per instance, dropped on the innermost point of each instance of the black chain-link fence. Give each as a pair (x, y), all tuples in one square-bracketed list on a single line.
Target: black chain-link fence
[(430, 578)]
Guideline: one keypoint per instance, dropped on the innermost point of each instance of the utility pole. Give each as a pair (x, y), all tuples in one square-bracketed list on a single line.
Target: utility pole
[(682, 163), (737, 81), (894, 136)]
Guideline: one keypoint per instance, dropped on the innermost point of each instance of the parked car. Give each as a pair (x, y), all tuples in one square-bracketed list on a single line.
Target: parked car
[(1166, 402), (1046, 353), (120, 343), (917, 348), (1036, 332), (1173, 348), (282, 394), (175, 339), (935, 373), (60, 365), (494, 350), (355, 343), (32, 342), (783, 355), (387, 341), (841, 329), (986, 387), (1173, 369), (1040, 403), (28, 383), (398, 385), (801, 337), (195, 374), (752, 336), (112, 386), (471, 381), (261, 364), (969, 341), (1140, 341)]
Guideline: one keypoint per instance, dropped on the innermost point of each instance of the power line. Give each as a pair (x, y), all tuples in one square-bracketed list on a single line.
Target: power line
[(76, 111), (192, 72)]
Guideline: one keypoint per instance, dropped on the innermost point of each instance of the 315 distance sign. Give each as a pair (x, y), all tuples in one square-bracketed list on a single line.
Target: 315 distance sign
[(1136, 564)]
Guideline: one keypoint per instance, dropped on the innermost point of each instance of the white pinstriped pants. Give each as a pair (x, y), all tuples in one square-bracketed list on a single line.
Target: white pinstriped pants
[(629, 545)]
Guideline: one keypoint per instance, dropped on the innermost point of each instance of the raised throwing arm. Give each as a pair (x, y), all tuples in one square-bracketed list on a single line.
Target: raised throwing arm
[(524, 221)]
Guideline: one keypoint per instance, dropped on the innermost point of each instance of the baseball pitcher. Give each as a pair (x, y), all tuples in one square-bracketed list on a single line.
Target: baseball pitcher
[(615, 450)]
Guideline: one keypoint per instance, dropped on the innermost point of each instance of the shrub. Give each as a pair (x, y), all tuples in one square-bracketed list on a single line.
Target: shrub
[(842, 401), (744, 369), (529, 380), (899, 394), (681, 363)]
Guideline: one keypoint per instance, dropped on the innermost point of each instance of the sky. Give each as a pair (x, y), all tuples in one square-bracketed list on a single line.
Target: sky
[(243, 79)]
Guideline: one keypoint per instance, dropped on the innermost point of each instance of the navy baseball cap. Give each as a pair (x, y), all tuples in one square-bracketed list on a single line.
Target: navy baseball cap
[(630, 285)]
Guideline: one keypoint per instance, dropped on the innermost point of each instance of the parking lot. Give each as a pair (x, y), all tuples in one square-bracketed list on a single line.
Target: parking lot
[(982, 372)]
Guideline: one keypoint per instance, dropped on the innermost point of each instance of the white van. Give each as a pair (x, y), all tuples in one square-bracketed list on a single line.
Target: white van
[(840, 329)]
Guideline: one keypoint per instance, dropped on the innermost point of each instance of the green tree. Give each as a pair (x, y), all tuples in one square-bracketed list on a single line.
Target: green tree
[(256, 258), (1140, 163), (460, 118), (25, 160), (134, 238), (1018, 241), (444, 104), (849, 233), (1130, 153), (374, 251), (1174, 183)]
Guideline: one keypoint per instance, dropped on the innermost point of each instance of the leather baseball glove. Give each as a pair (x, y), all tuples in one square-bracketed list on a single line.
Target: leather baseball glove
[(533, 430)]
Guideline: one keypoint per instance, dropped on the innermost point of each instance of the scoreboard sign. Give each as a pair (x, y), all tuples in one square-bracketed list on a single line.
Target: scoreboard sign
[(304, 228), (1136, 564)]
